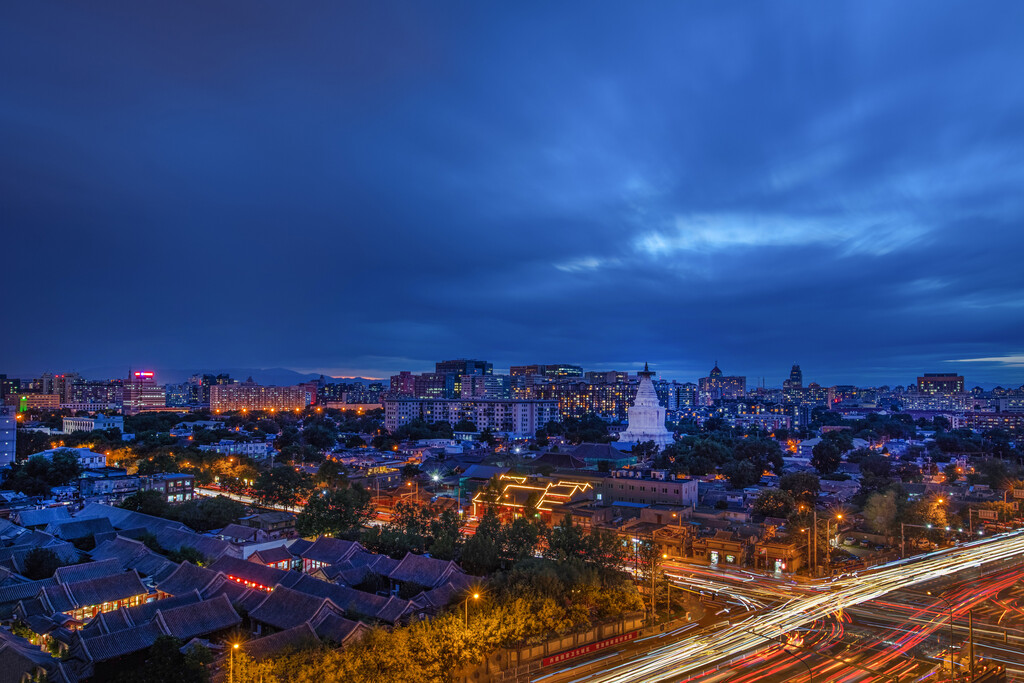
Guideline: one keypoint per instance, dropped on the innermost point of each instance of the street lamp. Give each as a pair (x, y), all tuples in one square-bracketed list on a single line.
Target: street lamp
[(231, 674), (475, 596), (950, 606)]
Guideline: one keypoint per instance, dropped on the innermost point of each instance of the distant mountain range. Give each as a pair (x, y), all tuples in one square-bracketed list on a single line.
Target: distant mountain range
[(278, 376)]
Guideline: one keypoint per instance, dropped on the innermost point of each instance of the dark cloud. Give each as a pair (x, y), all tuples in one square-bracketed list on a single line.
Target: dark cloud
[(366, 188)]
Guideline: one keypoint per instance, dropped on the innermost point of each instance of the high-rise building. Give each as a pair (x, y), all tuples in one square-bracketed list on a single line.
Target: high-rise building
[(141, 393), (520, 418), (104, 394), (436, 385), (8, 435), (796, 377), (485, 386), (940, 383), (463, 366), (457, 369), (251, 396), (553, 371), (404, 383), (8, 385), (717, 386)]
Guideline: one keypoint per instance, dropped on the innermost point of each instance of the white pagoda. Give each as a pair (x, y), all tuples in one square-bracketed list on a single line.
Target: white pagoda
[(646, 416)]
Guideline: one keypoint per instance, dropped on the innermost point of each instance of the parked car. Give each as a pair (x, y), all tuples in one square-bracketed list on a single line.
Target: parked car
[(864, 543), (849, 540)]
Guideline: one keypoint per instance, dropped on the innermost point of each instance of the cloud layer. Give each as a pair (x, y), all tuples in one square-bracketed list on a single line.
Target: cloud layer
[(363, 189)]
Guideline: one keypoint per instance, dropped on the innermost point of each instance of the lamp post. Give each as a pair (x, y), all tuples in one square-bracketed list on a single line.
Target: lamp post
[(950, 606), (231, 671), (475, 596), (903, 536), (810, 673), (668, 590)]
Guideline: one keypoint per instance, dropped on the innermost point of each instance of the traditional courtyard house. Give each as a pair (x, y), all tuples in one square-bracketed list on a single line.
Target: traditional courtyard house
[(253, 574), (327, 551), (100, 654), (278, 558)]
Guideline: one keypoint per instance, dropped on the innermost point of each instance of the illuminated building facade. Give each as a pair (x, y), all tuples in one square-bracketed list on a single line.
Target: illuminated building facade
[(517, 417), (8, 435), (520, 495), (940, 383), (225, 398), (38, 402), (717, 386), (142, 393)]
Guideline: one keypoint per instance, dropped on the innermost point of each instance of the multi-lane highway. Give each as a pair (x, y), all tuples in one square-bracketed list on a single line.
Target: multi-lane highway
[(801, 606)]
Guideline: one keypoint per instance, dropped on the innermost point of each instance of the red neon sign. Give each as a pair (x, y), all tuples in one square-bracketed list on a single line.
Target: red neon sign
[(588, 649)]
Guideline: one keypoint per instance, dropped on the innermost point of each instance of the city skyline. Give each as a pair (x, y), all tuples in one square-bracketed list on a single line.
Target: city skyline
[(288, 376)]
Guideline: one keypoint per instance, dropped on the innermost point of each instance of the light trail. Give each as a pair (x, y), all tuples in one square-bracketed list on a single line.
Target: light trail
[(704, 651)]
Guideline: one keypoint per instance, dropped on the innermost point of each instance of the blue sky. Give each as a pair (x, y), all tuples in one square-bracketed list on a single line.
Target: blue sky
[(362, 188)]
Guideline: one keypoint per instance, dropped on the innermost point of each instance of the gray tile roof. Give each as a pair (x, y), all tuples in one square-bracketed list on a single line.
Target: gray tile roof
[(126, 519), (331, 550), (284, 608), (254, 572), (239, 532), (186, 578), (132, 554), (198, 618), (356, 603), (89, 570), (40, 517), (271, 555), (10, 595), (79, 528), (424, 571), (299, 546), (109, 646), (184, 622), (70, 596), (176, 539), (274, 645), (339, 629)]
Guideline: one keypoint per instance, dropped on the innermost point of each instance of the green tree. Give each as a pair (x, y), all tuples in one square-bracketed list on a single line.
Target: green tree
[(354, 441), (741, 473), (41, 563), (881, 512), (342, 513), (446, 536), (481, 553), (64, 468), (520, 539), (206, 514), (802, 486), (774, 503), (165, 663), (282, 485), (148, 503), (332, 474), (826, 457)]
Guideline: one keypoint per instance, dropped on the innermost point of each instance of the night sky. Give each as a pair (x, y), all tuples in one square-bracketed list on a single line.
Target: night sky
[(359, 188)]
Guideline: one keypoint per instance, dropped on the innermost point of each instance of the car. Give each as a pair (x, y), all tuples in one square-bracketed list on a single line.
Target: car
[(864, 543), (849, 540)]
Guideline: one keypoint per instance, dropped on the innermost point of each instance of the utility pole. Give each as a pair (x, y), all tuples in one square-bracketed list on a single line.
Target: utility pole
[(970, 634), (815, 514)]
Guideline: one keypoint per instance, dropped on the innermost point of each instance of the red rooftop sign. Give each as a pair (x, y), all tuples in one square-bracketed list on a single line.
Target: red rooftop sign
[(588, 649)]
